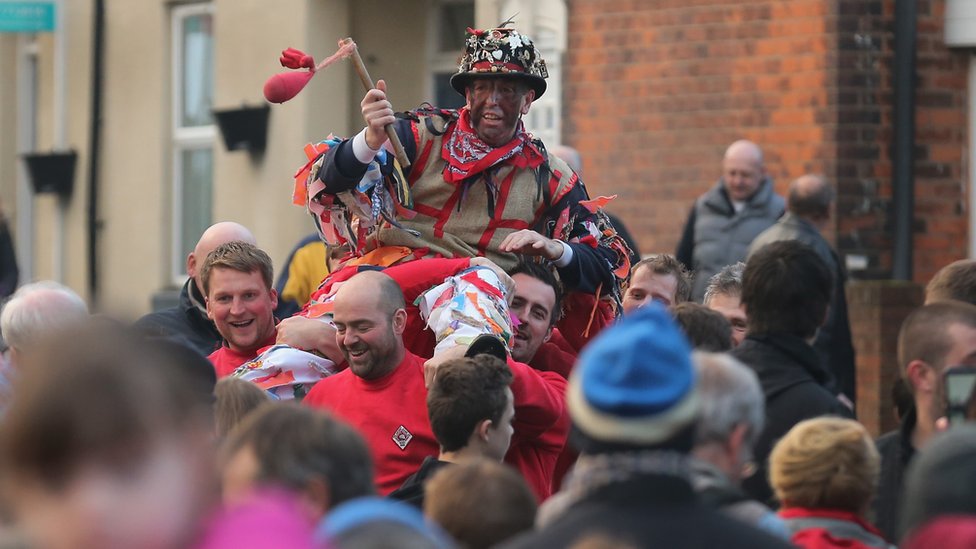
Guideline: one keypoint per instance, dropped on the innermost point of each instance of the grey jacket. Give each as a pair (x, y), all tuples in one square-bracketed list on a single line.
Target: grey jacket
[(716, 235)]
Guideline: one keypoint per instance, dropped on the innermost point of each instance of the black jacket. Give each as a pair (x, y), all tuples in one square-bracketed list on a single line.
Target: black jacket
[(413, 489), (652, 510), (185, 321), (794, 384), (896, 452)]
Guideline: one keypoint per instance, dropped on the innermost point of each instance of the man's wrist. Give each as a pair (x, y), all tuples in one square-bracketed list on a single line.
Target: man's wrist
[(361, 149), (567, 256)]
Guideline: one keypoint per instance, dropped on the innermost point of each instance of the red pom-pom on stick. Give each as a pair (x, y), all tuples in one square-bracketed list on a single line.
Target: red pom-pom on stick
[(283, 86)]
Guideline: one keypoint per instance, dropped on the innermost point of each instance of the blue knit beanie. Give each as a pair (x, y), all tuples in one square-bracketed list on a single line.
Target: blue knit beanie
[(634, 384)]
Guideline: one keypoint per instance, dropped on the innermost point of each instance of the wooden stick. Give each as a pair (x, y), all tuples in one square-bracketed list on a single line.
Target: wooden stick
[(357, 63)]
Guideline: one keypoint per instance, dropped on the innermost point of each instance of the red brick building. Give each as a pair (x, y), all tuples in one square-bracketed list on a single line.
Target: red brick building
[(655, 91)]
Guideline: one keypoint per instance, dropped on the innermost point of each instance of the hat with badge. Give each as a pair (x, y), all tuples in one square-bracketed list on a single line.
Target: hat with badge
[(500, 52)]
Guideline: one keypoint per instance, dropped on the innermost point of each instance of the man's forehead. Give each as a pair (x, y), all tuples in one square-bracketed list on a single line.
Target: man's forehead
[(532, 289)]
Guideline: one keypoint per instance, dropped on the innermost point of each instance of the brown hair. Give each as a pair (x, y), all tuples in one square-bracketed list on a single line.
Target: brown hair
[(235, 399), (99, 393), (825, 463), (924, 334), (667, 264), (956, 280), (480, 503), (239, 256), (294, 445), (465, 392), (707, 330)]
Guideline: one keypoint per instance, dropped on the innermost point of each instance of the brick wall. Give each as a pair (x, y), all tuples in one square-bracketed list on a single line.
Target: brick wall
[(655, 91)]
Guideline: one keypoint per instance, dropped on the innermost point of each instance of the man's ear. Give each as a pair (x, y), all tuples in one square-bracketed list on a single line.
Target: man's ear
[(274, 298), (482, 428), (399, 321), (191, 265), (317, 497), (548, 334), (206, 301), (921, 376), (529, 97)]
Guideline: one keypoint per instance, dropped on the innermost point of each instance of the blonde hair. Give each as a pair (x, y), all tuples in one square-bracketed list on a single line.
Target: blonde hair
[(825, 463)]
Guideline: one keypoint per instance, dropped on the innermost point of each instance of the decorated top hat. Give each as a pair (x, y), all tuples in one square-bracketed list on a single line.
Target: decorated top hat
[(500, 52)]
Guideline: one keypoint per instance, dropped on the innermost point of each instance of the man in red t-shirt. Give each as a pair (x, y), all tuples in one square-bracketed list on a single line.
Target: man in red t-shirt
[(382, 392), (237, 279)]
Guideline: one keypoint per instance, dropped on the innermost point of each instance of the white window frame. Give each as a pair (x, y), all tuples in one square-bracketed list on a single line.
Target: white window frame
[(184, 138)]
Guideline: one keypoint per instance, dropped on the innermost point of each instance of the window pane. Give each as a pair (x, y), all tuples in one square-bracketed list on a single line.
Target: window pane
[(455, 18), (197, 70), (196, 168), (444, 95)]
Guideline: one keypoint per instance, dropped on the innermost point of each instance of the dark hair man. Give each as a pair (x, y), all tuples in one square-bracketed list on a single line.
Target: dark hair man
[(237, 280), (932, 339), (471, 409), (786, 289), (808, 211)]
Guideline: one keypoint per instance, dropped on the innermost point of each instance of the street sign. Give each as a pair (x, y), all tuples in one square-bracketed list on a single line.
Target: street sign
[(26, 16)]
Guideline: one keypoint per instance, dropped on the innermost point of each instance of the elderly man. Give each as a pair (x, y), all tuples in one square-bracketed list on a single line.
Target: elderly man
[(634, 403), (189, 319), (807, 213), (731, 420), (725, 220), (34, 311), (478, 184)]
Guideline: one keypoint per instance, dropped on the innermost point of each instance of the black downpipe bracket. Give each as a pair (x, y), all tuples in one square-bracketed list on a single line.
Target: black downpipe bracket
[(95, 145), (903, 150)]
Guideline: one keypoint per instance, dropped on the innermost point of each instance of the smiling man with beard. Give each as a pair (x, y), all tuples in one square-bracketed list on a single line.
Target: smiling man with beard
[(382, 391)]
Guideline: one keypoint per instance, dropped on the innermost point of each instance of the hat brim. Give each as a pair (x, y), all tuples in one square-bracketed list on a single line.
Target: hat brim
[(487, 344), (461, 80)]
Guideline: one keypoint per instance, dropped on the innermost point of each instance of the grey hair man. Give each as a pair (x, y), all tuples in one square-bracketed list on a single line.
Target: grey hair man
[(724, 294), (35, 310), (731, 418)]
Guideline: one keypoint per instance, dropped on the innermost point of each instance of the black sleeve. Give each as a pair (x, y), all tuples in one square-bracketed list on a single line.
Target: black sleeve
[(592, 266), (342, 170), (686, 247), (8, 262)]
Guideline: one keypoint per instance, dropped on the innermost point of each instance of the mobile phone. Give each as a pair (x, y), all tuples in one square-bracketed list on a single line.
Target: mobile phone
[(960, 382)]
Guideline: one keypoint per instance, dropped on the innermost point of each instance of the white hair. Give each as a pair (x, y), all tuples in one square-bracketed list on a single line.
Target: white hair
[(730, 396), (36, 309)]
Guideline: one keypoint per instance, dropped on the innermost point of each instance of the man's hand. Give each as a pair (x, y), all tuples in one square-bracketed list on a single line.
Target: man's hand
[(310, 334), (503, 277), (527, 242), (432, 364), (377, 112)]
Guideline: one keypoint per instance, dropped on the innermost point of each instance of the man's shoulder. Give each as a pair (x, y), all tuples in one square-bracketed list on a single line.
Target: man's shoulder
[(318, 395)]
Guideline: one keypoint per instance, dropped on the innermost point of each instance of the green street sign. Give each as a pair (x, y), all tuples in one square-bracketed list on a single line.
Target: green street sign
[(26, 16)]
